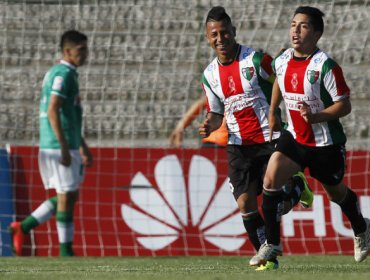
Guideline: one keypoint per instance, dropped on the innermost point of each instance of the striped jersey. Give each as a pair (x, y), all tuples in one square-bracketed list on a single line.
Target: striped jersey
[(241, 91), (61, 80), (319, 82)]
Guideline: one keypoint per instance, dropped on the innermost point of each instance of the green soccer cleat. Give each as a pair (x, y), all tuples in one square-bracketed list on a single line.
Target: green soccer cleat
[(307, 194), (270, 265)]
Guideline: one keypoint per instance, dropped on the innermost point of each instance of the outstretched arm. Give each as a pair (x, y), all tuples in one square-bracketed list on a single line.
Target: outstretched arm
[(176, 137)]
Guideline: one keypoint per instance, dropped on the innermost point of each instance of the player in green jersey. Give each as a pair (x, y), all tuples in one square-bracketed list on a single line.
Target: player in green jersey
[(63, 152)]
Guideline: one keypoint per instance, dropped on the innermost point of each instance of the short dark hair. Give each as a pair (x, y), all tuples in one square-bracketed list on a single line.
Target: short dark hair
[(315, 16), (218, 13), (72, 36)]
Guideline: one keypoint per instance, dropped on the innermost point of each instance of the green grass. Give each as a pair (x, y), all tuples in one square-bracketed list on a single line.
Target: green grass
[(178, 268)]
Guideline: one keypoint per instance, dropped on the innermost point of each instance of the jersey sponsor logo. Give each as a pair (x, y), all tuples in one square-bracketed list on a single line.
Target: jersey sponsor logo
[(248, 73), (210, 68), (312, 76), (294, 81)]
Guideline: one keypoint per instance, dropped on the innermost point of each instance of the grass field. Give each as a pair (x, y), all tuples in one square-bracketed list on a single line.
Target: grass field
[(178, 268)]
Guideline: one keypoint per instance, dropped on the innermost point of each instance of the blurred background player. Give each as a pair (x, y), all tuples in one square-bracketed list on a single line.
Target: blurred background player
[(316, 95), (217, 138), (238, 84), (63, 151)]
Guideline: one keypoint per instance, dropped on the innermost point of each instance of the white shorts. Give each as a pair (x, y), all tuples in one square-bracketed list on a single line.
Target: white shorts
[(57, 176)]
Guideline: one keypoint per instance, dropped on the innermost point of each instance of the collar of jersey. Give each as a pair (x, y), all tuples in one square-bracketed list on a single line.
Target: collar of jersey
[(67, 64)]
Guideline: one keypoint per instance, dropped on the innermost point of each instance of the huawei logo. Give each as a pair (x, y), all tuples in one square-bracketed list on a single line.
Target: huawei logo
[(188, 208)]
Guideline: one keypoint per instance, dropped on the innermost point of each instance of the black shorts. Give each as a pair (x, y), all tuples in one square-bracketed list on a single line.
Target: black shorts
[(326, 164), (247, 164)]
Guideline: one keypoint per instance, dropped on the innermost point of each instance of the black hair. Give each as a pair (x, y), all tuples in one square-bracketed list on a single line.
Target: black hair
[(218, 13), (72, 36), (316, 16)]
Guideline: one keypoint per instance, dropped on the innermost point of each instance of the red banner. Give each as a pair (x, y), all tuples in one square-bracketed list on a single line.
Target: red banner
[(144, 202)]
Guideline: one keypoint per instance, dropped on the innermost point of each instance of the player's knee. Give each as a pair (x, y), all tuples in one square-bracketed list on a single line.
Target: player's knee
[(267, 183)]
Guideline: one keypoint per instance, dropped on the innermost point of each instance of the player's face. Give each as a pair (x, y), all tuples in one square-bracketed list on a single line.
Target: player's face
[(221, 37), (303, 37), (76, 54)]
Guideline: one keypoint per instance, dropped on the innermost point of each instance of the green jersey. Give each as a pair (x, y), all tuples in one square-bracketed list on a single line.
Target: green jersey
[(61, 80)]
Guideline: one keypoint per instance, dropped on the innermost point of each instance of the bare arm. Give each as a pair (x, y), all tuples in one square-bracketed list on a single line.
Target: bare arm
[(196, 108), (54, 118), (337, 110), (212, 122), (274, 122), (87, 158)]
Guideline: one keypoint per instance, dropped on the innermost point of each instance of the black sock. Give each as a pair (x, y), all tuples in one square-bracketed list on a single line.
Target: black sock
[(255, 227), (293, 190), (273, 206), (351, 209)]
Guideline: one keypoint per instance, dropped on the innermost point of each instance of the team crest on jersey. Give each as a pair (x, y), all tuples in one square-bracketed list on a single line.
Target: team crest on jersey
[(312, 76), (248, 73)]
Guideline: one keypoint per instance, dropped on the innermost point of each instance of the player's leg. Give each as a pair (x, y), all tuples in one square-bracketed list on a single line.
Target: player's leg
[(328, 166), (18, 229), (280, 168), (297, 190), (64, 220), (348, 202), (245, 188), (67, 184), (44, 212)]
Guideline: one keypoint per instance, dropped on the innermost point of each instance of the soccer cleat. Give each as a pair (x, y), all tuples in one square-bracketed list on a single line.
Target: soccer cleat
[(17, 236), (306, 199), (254, 261), (268, 252), (270, 265), (362, 243)]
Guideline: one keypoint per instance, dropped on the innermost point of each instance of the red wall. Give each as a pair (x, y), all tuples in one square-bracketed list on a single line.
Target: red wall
[(101, 230)]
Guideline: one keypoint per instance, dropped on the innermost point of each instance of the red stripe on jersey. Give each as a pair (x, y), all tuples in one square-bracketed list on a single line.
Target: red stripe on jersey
[(303, 130), (340, 83), (250, 129), (230, 79), (295, 75), (266, 64)]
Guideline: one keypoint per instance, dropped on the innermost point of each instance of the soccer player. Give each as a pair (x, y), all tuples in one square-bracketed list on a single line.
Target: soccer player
[(63, 151), (316, 96), (217, 138), (238, 84)]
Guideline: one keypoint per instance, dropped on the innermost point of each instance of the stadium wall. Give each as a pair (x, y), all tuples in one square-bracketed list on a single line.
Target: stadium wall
[(169, 202)]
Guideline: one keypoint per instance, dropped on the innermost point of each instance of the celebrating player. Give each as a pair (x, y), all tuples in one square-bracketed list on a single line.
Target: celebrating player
[(63, 151), (238, 84), (316, 96)]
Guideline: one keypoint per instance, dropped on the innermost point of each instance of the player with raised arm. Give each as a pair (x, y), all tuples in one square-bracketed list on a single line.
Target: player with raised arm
[(63, 151), (217, 138), (238, 84), (316, 95)]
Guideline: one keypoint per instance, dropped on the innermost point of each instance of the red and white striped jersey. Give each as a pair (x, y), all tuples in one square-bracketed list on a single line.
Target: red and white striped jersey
[(242, 92), (319, 82)]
